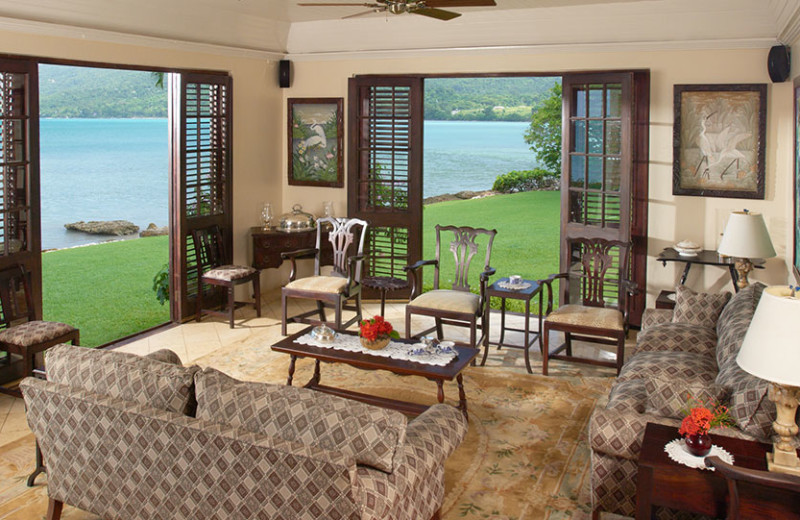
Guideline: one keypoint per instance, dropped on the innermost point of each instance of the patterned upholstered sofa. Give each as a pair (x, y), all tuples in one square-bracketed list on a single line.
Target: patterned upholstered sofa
[(692, 349), (129, 437)]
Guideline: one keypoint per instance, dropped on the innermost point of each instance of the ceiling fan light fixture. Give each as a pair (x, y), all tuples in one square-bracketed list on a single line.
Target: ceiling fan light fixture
[(398, 7)]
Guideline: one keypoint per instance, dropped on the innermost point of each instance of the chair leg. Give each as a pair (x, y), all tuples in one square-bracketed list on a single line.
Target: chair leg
[(439, 331), (359, 316), (568, 342), (40, 468), (257, 294), (198, 301), (321, 311), (620, 353), (283, 314), (546, 349), (231, 305), (408, 324), (337, 317), (54, 508)]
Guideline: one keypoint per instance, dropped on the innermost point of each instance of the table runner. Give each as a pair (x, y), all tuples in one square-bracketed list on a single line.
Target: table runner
[(416, 353)]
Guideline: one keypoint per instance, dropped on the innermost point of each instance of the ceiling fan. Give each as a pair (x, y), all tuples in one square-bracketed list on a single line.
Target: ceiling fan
[(430, 8)]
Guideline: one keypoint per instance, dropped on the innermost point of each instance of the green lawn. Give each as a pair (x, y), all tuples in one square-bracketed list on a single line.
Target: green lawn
[(106, 289), (528, 230)]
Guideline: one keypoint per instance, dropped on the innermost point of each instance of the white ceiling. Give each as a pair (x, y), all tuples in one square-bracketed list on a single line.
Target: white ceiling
[(281, 27)]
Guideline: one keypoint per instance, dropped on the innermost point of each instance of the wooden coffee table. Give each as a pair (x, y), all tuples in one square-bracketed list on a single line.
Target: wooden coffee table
[(438, 374)]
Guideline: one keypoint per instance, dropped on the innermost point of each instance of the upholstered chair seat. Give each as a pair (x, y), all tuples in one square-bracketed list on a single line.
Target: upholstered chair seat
[(323, 284), (229, 272), (583, 316), (34, 332), (447, 299)]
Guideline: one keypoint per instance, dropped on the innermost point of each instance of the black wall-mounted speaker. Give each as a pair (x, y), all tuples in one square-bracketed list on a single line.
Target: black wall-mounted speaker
[(779, 63), (284, 73)]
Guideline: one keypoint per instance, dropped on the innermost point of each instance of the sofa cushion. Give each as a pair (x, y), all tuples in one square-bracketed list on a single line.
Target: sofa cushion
[(372, 435), (698, 308), (133, 378), (683, 366), (731, 328), (677, 337), (749, 404), (670, 398)]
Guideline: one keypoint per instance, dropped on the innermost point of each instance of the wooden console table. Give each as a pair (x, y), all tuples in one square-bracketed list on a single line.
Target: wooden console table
[(269, 244), (704, 257)]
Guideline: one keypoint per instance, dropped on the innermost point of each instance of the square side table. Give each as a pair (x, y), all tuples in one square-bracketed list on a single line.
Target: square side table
[(529, 337)]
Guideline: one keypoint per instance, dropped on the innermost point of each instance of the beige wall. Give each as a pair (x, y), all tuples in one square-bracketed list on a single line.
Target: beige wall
[(671, 218)]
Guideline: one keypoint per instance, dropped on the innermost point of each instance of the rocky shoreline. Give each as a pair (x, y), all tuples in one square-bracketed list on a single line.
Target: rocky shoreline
[(117, 228), (461, 195)]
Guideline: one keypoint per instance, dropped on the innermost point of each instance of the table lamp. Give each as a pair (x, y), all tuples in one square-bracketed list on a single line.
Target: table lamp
[(770, 351), (745, 237)]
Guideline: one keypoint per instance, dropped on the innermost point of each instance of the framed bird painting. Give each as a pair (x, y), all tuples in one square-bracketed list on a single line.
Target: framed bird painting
[(316, 134), (719, 140)]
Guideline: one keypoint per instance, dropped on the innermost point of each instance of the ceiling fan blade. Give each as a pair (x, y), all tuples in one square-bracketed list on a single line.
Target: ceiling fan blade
[(376, 9), (319, 4), (460, 3), (439, 14)]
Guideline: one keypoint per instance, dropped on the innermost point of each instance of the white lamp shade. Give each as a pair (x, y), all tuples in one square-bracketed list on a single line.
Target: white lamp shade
[(771, 347), (746, 236)]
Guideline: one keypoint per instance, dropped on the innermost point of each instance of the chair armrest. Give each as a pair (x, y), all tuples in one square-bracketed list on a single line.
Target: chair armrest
[(354, 278), (547, 308), (411, 272), (293, 256), (484, 280), (762, 478)]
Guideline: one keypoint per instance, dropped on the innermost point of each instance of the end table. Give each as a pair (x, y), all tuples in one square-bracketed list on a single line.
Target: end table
[(664, 482), (384, 284), (529, 337)]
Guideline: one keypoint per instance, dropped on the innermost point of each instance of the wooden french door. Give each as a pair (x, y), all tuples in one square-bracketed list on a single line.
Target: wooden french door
[(385, 117), (200, 120), (20, 222), (604, 168)]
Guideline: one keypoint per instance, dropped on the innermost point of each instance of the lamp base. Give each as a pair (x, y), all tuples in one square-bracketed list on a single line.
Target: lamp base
[(743, 267), (781, 466)]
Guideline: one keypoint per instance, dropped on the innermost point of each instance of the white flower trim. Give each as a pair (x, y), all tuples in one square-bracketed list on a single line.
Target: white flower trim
[(677, 451), (394, 350)]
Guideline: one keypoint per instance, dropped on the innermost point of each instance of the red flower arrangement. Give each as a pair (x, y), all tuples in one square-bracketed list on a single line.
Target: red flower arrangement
[(376, 327), (702, 416)]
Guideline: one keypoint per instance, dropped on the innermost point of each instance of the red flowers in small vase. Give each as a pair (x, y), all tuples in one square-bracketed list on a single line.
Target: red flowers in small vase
[(375, 332), (700, 418)]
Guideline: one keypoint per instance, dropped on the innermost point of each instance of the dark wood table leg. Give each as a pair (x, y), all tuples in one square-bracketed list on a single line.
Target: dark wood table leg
[(39, 467), (315, 378), (685, 272), (292, 361), (502, 322), (462, 397), (440, 390), (383, 302), (527, 335), (644, 493)]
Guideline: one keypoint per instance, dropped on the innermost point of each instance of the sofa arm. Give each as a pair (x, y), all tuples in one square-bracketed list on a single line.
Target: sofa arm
[(436, 433), (620, 432), (165, 355), (653, 317), (161, 463)]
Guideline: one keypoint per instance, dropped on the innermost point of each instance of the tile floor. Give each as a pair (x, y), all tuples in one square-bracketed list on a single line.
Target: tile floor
[(193, 340)]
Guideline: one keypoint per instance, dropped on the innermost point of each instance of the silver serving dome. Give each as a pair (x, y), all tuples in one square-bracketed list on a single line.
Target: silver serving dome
[(297, 220)]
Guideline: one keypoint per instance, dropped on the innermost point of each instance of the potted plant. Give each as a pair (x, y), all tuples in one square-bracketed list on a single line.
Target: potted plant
[(700, 418)]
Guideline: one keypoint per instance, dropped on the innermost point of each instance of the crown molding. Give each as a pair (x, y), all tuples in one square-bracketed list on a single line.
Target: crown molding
[(641, 46), (99, 35), (789, 33)]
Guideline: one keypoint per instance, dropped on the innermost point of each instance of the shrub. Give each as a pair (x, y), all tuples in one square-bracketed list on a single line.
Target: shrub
[(526, 180), (161, 284)]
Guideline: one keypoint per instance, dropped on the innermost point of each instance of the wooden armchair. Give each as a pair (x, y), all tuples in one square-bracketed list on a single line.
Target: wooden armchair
[(456, 305), (334, 288), (596, 281), (214, 268)]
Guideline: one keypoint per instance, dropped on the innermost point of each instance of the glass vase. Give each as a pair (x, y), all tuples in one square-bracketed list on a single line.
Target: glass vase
[(266, 215), (698, 444)]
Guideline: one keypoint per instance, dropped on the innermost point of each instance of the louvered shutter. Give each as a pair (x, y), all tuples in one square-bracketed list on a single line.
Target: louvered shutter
[(201, 166), (20, 223), (385, 169)]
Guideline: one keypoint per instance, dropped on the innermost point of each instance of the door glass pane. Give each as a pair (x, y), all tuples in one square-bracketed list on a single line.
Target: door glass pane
[(595, 100), (596, 173), (576, 206), (594, 208), (579, 102), (595, 137), (613, 208), (613, 137), (579, 136), (577, 171), (613, 100), (613, 172)]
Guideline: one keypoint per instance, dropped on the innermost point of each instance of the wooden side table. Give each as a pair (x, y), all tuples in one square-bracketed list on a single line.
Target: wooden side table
[(384, 284), (665, 300), (664, 482), (529, 337)]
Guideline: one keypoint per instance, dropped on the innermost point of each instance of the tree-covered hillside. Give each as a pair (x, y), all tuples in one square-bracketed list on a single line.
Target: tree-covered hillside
[(485, 99), (95, 92)]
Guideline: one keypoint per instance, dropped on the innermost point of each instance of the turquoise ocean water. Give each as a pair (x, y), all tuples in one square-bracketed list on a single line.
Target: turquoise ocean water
[(117, 169)]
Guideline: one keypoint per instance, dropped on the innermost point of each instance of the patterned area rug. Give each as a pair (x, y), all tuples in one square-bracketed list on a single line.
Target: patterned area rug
[(525, 457)]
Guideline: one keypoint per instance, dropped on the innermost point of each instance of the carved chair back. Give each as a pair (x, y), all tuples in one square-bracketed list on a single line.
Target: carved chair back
[(16, 299), (344, 233), (464, 247), (598, 269), (209, 248)]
